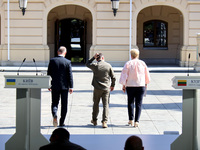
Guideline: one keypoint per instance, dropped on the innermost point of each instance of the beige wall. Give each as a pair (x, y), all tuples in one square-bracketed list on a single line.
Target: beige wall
[(26, 35), (31, 36), (191, 28), (112, 33)]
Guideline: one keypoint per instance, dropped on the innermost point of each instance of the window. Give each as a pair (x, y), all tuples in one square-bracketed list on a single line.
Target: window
[(155, 34)]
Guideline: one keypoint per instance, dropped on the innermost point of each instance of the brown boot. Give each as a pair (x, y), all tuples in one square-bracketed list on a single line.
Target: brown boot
[(94, 122)]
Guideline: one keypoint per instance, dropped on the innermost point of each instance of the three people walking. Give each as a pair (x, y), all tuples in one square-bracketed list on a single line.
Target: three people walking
[(134, 79)]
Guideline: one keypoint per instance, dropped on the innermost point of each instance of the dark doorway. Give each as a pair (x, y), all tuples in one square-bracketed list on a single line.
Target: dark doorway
[(71, 33)]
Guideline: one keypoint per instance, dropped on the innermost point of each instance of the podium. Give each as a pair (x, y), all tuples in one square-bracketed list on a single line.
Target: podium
[(28, 111), (190, 137)]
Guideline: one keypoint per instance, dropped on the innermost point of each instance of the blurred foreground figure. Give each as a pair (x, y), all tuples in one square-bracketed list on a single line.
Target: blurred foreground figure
[(60, 141), (133, 143)]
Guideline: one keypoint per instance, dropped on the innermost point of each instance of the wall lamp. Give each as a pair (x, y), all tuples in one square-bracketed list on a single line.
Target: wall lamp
[(23, 5), (115, 6)]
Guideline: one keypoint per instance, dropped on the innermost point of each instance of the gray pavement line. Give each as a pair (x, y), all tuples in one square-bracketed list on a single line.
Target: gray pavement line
[(143, 109), (111, 125), (69, 113)]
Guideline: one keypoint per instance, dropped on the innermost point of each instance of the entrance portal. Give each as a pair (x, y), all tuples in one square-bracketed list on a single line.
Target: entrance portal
[(70, 26), (71, 33), (157, 40)]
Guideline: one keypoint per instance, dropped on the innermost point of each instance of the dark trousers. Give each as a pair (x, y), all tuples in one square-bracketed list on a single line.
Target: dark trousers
[(135, 95), (56, 94)]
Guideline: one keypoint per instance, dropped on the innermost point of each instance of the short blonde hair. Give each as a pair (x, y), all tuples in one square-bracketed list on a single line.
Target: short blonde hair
[(135, 53)]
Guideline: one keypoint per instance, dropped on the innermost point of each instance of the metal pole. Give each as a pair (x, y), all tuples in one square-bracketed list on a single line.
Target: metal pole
[(8, 4), (130, 29), (198, 43)]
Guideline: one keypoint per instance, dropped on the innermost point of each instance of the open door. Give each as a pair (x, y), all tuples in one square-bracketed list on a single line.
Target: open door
[(71, 33)]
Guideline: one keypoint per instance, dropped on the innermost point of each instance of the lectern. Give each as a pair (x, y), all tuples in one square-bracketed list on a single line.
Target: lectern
[(190, 137), (28, 111)]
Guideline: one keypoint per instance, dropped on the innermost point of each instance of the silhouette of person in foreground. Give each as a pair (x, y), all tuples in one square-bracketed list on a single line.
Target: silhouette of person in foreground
[(59, 140), (133, 143)]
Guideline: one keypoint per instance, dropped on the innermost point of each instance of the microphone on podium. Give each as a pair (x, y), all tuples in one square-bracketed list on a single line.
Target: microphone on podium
[(35, 66), (21, 65), (188, 64)]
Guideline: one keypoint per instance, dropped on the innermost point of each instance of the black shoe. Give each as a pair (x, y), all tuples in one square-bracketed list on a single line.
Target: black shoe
[(62, 125)]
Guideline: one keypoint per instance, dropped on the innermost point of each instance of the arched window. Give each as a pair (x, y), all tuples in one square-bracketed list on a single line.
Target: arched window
[(155, 34)]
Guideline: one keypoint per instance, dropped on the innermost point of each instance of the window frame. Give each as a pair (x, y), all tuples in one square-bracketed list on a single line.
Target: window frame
[(155, 22)]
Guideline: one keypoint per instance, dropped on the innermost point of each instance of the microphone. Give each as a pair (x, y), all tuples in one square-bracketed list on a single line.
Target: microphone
[(21, 65), (188, 64), (35, 66)]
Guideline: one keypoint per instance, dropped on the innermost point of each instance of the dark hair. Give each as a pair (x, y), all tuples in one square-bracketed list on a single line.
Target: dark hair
[(99, 56), (133, 143), (61, 133)]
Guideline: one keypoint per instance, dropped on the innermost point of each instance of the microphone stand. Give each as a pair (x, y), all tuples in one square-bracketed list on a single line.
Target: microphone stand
[(188, 64), (21, 65), (35, 66)]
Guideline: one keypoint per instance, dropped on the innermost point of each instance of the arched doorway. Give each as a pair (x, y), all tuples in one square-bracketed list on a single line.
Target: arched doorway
[(70, 26), (160, 34), (71, 33)]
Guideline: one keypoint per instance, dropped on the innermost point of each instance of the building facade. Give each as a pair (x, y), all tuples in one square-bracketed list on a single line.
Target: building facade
[(165, 31)]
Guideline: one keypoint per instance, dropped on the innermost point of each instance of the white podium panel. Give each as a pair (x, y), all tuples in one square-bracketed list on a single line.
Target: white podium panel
[(28, 111), (190, 137), (27, 81), (186, 82)]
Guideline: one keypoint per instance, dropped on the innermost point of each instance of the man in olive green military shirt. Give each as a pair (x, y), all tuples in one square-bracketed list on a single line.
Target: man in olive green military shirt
[(102, 74)]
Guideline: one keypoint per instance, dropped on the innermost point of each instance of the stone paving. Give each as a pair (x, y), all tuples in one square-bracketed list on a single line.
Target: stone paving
[(162, 107)]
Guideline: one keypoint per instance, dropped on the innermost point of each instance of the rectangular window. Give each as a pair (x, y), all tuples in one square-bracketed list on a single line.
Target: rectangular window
[(155, 34)]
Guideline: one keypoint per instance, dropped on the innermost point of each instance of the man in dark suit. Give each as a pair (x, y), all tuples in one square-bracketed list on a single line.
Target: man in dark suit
[(60, 141), (60, 71), (103, 73)]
